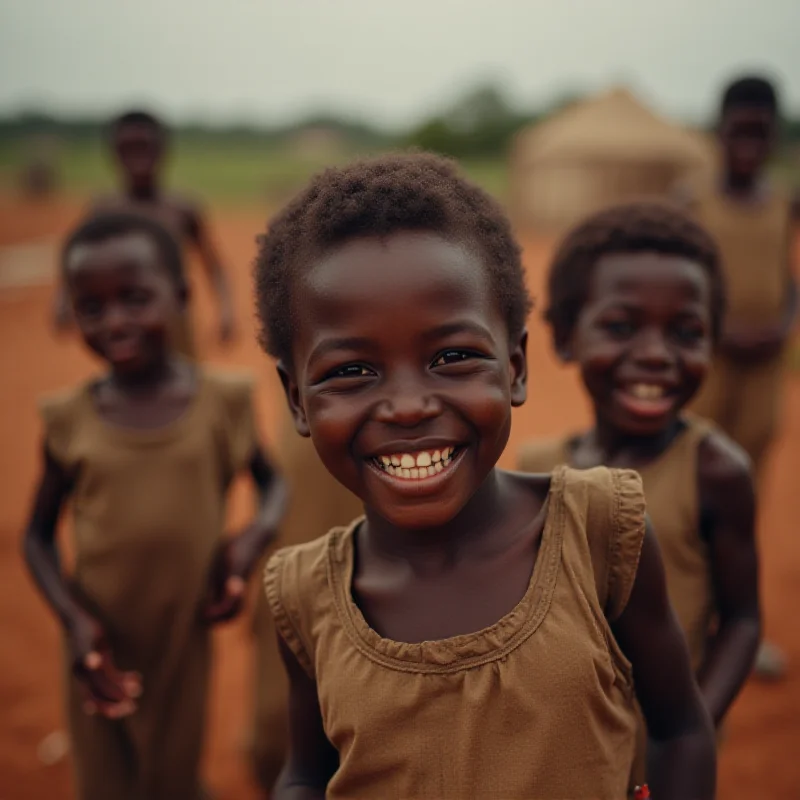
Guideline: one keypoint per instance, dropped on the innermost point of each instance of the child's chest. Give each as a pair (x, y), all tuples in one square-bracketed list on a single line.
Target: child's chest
[(407, 606)]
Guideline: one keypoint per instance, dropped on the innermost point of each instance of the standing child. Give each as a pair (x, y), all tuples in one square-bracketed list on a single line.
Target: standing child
[(473, 635), (145, 454), (753, 221), (139, 144), (636, 301)]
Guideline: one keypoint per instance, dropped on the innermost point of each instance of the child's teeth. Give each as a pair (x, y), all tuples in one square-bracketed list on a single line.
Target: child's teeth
[(647, 391), (420, 465)]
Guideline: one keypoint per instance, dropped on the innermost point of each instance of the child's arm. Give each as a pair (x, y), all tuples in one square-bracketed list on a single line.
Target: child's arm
[(199, 235), (312, 759), (681, 752), (109, 691), (728, 503), (241, 553)]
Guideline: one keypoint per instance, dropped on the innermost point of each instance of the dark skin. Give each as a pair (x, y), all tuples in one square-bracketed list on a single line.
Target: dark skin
[(139, 152), (747, 139), (400, 347), (647, 321), (123, 301)]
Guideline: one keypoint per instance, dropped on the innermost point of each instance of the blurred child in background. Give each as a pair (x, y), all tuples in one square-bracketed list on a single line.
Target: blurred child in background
[(144, 453), (139, 144), (636, 302), (754, 222)]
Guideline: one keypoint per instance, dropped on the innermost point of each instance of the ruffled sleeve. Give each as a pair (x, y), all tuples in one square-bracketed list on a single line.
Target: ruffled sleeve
[(298, 594), (615, 526), (627, 535), (59, 416), (238, 420)]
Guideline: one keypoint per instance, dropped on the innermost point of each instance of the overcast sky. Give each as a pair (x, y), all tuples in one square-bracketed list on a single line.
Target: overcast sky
[(387, 60)]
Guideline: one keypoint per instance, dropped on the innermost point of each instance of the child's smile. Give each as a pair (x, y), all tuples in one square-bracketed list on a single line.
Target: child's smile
[(643, 339), (404, 374)]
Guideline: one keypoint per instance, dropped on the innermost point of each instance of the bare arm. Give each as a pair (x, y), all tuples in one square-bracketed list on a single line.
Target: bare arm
[(312, 759), (108, 690), (240, 554), (728, 503), (198, 233), (39, 545), (681, 753)]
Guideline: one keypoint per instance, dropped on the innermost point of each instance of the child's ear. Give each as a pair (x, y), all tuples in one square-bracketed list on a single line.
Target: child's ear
[(292, 393), (519, 371)]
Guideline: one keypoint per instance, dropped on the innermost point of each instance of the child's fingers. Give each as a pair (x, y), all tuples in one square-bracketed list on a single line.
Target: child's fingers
[(132, 682)]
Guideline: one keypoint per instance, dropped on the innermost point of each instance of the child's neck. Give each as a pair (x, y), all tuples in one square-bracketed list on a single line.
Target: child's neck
[(148, 381), (608, 445), (475, 522), (143, 194), (748, 188)]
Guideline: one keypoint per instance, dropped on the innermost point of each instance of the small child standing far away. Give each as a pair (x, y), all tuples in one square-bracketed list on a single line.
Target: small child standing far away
[(139, 144), (636, 302), (474, 634), (754, 222), (145, 454)]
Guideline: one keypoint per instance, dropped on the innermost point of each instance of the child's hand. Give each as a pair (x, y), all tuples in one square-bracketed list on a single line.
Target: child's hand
[(227, 585), (109, 691)]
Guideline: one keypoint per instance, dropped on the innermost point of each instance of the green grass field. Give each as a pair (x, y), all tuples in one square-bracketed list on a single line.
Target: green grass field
[(219, 171)]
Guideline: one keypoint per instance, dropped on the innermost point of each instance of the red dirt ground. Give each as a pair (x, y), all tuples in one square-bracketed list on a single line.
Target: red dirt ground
[(764, 727)]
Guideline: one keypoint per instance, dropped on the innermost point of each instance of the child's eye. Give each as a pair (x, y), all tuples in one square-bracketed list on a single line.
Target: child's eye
[(351, 371), (89, 309), (619, 328), (689, 334), (453, 357)]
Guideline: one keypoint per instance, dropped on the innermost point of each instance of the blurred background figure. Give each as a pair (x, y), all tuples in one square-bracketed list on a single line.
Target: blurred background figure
[(39, 179), (138, 141), (754, 221)]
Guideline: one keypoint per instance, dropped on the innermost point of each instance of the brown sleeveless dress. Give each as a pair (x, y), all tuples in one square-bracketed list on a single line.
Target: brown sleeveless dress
[(755, 241), (148, 510), (539, 705), (317, 503), (673, 504)]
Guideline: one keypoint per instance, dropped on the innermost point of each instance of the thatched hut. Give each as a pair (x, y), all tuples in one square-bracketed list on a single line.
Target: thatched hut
[(600, 151)]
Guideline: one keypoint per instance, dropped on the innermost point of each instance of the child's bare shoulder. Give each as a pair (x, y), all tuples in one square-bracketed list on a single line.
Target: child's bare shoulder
[(723, 466)]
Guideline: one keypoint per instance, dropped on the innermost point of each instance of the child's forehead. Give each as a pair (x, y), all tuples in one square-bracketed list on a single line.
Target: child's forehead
[(130, 248), (659, 272), (412, 265)]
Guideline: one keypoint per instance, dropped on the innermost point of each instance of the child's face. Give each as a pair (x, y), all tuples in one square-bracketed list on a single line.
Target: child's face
[(643, 339), (402, 357), (747, 137), (139, 150), (125, 302)]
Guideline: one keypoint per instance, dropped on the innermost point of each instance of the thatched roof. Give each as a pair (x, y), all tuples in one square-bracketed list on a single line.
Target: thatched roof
[(613, 126)]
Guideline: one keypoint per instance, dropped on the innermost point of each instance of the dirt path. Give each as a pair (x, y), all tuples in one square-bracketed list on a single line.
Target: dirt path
[(765, 725)]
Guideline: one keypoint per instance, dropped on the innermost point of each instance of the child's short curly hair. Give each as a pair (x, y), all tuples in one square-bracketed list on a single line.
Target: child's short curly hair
[(641, 227), (377, 198)]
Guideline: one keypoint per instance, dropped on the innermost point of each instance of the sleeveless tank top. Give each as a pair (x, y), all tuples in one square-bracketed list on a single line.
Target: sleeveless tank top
[(755, 242), (673, 504), (538, 705)]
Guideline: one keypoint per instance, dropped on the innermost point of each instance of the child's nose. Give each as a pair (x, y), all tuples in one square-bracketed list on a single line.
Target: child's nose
[(651, 348), (407, 404)]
